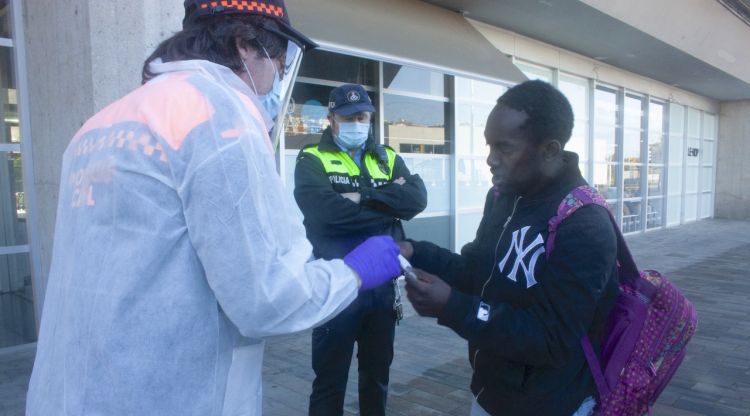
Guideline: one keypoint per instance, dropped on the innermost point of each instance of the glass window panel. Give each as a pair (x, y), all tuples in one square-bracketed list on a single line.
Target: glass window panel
[(676, 120), (709, 126), (675, 180), (655, 148), (473, 179), (10, 131), (632, 181), (464, 89), (674, 210), (488, 92), (631, 216), (577, 142), (308, 117), (435, 172), (633, 112), (12, 201), (341, 68), (655, 181), (407, 78), (466, 227), (708, 153), (676, 150), (707, 205), (5, 26), (707, 179), (436, 230), (655, 116), (605, 103), (17, 324), (655, 213), (693, 152), (605, 180), (605, 144), (415, 125), (691, 207), (631, 148), (694, 123), (535, 72), (691, 179), (612, 207), (576, 90)]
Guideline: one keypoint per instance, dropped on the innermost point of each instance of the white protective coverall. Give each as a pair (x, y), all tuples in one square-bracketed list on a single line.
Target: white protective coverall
[(176, 251)]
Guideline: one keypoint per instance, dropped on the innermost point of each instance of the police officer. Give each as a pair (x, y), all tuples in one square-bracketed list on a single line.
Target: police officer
[(350, 188)]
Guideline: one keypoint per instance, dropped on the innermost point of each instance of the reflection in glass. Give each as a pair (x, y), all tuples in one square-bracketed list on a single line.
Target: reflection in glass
[(655, 180), (631, 216), (308, 117), (606, 107), (576, 90), (406, 78), (332, 66), (654, 213), (631, 147), (632, 181), (5, 29), (435, 172), (605, 143), (474, 180), (17, 325), (605, 180), (12, 200), (656, 133), (535, 72), (415, 125), (10, 131), (633, 112)]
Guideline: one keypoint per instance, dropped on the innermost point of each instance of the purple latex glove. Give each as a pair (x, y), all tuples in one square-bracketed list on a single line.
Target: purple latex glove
[(375, 260)]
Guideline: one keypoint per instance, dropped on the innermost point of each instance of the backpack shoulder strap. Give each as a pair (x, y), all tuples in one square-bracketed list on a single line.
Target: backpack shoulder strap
[(577, 198)]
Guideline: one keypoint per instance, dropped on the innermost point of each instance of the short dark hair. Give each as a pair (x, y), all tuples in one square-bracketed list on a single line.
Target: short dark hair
[(550, 113), (213, 38)]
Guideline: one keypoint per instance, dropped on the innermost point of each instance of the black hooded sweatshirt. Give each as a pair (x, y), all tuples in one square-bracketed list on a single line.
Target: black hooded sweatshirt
[(522, 313)]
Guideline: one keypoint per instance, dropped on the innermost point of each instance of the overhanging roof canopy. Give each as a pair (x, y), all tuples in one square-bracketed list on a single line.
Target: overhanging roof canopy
[(403, 31)]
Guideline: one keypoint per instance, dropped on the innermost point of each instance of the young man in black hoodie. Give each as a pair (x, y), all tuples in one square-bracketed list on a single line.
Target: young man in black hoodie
[(522, 313)]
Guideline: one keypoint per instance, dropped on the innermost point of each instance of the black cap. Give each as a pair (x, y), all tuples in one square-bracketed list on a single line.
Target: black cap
[(349, 99), (274, 9)]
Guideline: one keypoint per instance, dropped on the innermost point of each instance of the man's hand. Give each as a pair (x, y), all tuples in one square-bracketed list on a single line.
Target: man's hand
[(352, 196), (407, 249), (428, 294)]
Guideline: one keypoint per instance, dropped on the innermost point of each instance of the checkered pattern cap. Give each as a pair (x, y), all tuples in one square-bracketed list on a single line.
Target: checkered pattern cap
[(274, 9)]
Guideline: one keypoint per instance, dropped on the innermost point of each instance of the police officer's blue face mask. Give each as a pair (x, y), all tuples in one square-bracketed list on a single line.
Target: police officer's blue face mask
[(352, 135)]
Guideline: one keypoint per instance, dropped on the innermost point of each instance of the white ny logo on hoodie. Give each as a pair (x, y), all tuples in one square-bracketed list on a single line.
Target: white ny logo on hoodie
[(521, 252)]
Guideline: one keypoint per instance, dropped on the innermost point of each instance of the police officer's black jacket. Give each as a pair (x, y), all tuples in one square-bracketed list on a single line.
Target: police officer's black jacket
[(527, 356), (334, 224)]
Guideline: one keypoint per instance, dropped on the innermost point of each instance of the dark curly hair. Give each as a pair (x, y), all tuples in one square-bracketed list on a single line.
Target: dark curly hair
[(550, 113), (212, 38)]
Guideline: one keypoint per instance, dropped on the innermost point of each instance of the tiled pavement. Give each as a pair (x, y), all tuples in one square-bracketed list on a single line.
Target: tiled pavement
[(708, 260)]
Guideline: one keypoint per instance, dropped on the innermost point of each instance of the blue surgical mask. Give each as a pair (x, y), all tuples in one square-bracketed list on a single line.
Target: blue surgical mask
[(270, 101), (353, 135)]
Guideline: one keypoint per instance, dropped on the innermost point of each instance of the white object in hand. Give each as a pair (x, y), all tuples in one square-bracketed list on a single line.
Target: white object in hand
[(406, 267)]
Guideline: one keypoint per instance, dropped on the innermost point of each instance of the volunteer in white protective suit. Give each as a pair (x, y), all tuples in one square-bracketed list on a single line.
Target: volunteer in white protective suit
[(176, 249)]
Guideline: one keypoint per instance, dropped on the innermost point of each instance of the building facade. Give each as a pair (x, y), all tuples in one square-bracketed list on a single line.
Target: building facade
[(662, 112)]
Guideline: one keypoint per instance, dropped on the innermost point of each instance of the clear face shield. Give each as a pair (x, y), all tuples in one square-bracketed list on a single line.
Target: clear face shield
[(291, 67)]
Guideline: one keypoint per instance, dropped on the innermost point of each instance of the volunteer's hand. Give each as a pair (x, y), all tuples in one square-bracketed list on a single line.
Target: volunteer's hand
[(375, 260), (353, 196), (428, 294), (407, 249)]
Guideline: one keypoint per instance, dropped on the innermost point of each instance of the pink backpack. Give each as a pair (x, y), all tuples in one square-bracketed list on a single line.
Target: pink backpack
[(647, 330)]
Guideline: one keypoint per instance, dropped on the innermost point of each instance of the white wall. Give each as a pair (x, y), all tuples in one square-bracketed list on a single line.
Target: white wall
[(733, 169)]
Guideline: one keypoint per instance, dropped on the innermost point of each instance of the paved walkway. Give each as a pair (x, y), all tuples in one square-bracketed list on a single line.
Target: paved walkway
[(708, 260)]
